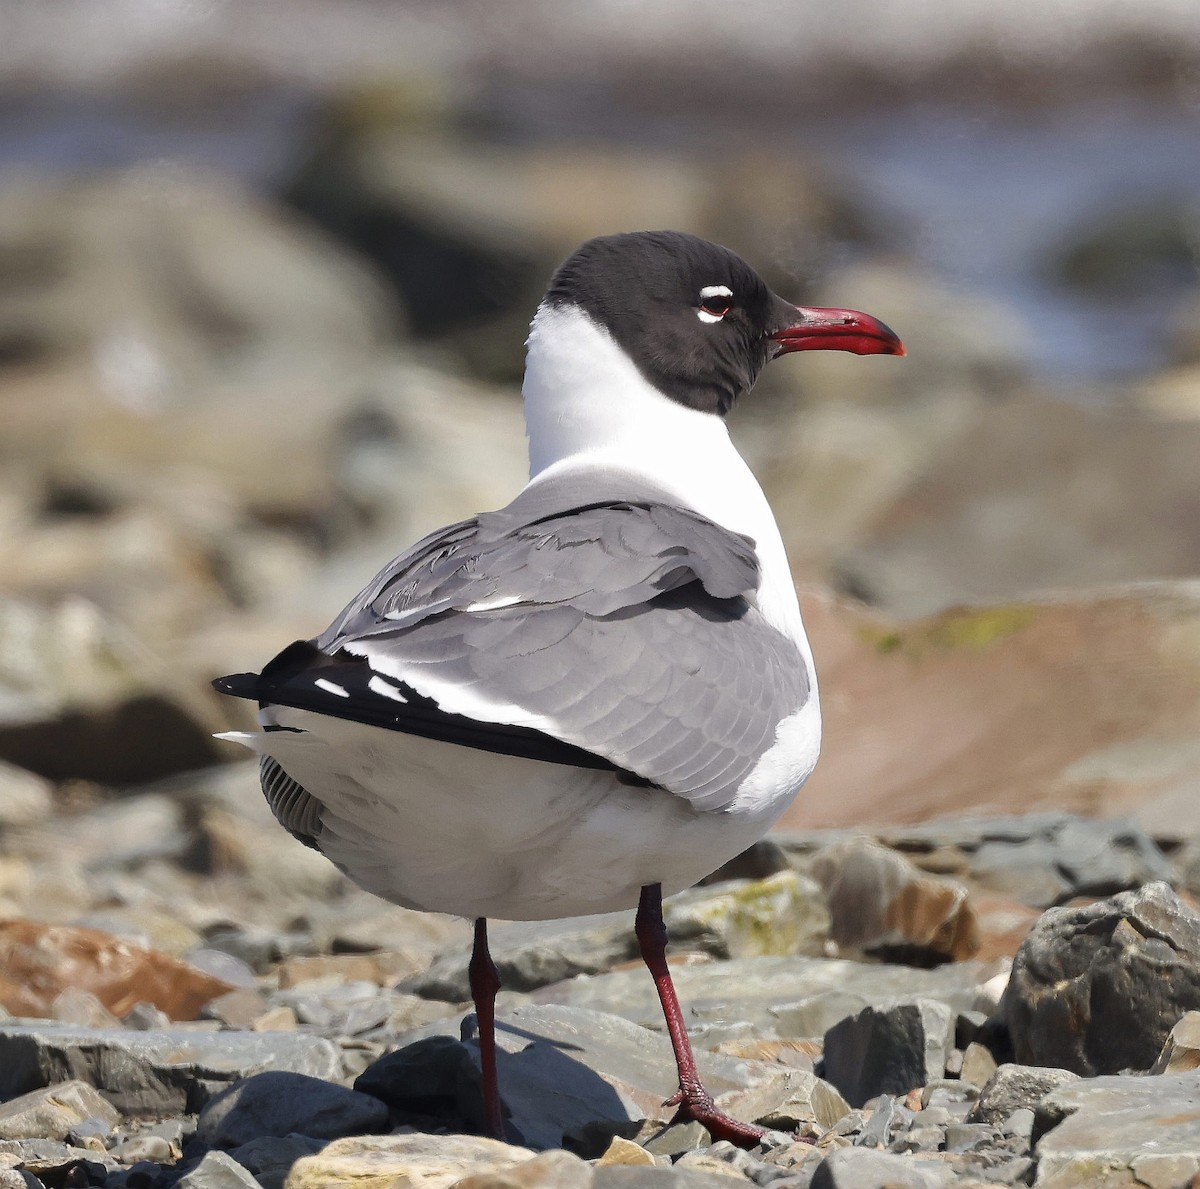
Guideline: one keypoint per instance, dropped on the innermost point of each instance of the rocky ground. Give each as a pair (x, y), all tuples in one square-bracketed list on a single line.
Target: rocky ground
[(196, 999), (970, 954)]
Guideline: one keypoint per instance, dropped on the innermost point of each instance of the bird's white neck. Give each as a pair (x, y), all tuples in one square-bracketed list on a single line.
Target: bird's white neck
[(587, 405)]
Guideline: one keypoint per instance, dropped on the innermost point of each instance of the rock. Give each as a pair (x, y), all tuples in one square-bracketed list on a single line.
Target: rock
[(888, 1050), (782, 997), (1097, 989), (585, 1075), (978, 1065), (269, 1157), (1120, 1131), (152, 1072), (812, 1100), (279, 1104), (217, 1170), (81, 698), (881, 904), (52, 1113), (39, 962), (50, 1160), (861, 1168), (675, 1139), (1016, 1087), (564, 1068), (1052, 738), (1181, 1049), (25, 798), (1038, 495), (434, 1077), (550, 1170), (427, 1161), (625, 1152), (1122, 253), (384, 967), (73, 1006), (782, 914)]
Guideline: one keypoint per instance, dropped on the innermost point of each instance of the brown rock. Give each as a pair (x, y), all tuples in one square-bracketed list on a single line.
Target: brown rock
[(1087, 705), (39, 962), (1181, 1049), (880, 903)]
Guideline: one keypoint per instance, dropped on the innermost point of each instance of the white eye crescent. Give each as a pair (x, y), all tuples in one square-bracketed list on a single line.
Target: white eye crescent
[(715, 302)]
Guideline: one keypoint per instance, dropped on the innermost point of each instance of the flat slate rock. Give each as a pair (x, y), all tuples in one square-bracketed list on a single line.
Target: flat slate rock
[(153, 1073), (563, 1071), (861, 1168), (279, 1103), (1120, 1132), (779, 997)]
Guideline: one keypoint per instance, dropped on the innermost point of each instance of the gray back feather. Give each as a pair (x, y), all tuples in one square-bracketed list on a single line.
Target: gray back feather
[(629, 624)]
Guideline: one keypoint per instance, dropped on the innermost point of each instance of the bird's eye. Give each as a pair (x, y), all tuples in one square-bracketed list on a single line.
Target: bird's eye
[(715, 302)]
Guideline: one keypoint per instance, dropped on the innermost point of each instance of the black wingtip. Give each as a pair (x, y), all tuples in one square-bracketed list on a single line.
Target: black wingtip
[(238, 685)]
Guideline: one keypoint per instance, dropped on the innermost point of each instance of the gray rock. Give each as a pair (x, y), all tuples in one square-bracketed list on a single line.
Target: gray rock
[(678, 1138), (435, 1076), (963, 1137), (781, 914), (1096, 989), (861, 1168), (877, 1133), (53, 1112), (563, 1070), (278, 1103), (1120, 1131), (47, 1158), (153, 1072), (79, 697), (888, 1050), (1016, 1087), (782, 997), (217, 1170), (645, 1177), (978, 1064), (811, 1101), (270, 1157)]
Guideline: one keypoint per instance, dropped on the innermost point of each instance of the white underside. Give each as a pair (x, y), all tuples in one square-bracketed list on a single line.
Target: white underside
[(452, 829), (456, 830)]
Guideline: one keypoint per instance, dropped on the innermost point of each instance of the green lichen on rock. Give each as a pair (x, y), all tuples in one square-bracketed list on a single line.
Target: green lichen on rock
[(979, 627)]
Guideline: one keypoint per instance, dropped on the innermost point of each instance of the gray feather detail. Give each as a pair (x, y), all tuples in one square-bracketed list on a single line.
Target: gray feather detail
[(297, 810), (628, 623)]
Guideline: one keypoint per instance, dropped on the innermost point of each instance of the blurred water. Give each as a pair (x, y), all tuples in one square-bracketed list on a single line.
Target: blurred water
[(983, 198), (989, 199)]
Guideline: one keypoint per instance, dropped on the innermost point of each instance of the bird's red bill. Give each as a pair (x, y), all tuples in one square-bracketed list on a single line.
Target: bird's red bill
[(824, 329)]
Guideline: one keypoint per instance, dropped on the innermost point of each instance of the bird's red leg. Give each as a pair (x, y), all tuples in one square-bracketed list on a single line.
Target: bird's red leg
[(694, 1101), (485, 982)]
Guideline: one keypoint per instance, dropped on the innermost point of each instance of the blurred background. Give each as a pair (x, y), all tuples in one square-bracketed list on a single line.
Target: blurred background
[(265, 274)]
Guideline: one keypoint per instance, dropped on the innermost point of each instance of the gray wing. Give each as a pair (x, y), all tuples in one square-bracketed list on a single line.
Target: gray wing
[(624, 630)]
